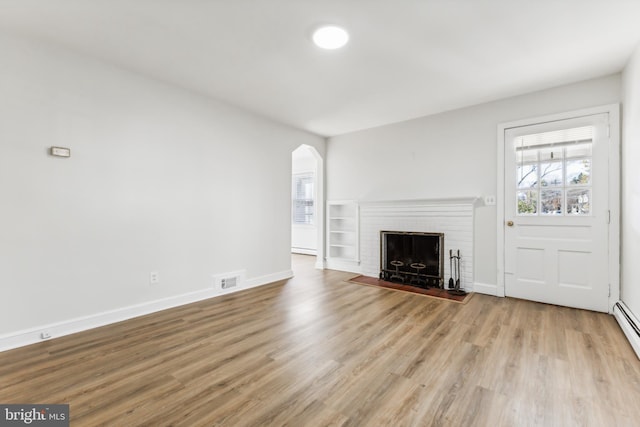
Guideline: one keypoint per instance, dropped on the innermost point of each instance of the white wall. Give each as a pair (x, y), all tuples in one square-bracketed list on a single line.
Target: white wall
[(630, 224), (304, 238), (453, 154), (159, 179)]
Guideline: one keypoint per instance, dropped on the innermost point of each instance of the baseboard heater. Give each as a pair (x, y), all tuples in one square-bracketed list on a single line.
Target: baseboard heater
[(629, 325)]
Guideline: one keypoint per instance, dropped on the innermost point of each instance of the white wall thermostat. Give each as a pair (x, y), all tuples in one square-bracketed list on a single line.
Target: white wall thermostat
[(60, 151)]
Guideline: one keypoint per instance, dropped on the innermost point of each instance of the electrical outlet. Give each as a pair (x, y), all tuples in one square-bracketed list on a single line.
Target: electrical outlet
[(489, 200), (154, 277)]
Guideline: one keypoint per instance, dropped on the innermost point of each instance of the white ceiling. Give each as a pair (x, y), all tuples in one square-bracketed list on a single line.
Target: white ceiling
[(405, 59)]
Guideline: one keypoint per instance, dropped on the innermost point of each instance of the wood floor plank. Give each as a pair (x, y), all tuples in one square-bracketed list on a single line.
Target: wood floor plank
[(317, 350)]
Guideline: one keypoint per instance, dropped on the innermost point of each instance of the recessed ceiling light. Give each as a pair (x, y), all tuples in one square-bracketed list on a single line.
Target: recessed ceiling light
[(330, 37)]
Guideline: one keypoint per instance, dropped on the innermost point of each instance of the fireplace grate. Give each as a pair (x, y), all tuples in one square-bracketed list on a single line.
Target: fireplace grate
[(412, 258)]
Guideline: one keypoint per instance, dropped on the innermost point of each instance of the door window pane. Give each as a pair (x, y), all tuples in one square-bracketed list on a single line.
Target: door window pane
[(579, 172), (527, 202), (579, 201), (551, 202), (527, 176), (525, 156), (552, 153), (578, 150), (551, 174)]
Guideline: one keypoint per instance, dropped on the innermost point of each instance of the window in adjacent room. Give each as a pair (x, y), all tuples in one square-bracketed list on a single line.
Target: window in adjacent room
[(303, 199)]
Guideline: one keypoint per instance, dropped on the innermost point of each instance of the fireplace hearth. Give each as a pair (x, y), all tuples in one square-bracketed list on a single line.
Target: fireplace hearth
[(412, 258)]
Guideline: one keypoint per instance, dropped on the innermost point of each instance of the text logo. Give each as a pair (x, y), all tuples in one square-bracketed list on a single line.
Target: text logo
[(34, 415)]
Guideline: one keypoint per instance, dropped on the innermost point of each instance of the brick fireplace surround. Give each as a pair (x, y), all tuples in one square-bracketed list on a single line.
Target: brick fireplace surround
[(453, 217)]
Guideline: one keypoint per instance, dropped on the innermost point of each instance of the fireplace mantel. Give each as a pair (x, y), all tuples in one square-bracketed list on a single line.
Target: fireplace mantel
[(474, 201)]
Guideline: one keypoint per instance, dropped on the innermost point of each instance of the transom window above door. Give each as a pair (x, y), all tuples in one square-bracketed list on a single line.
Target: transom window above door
[(553, 172)]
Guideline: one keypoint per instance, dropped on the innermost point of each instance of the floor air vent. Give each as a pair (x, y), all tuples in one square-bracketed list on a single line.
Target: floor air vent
[(629, 325)]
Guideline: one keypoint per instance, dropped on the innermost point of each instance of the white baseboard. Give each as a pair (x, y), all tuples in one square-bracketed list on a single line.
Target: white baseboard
[(343, 265), (268, 278), (303, 251), (79, 324), (629, 324), (484, 288)]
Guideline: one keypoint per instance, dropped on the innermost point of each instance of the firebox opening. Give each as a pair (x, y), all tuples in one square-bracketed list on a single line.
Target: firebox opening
[(412, 258)]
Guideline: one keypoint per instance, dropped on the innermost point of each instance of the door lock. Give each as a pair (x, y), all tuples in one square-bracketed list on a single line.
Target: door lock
[(510, 223)]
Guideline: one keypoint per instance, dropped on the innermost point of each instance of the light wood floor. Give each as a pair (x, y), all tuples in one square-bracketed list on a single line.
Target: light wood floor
[(318, 351)]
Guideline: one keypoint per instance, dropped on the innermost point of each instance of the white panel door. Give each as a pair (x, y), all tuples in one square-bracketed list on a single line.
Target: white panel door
[(557, 212)]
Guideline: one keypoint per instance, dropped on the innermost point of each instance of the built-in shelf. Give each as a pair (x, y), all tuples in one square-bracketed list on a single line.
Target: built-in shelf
[(342, 233)]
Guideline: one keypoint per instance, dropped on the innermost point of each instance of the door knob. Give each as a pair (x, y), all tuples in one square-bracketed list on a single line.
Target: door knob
[(510, 223)]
